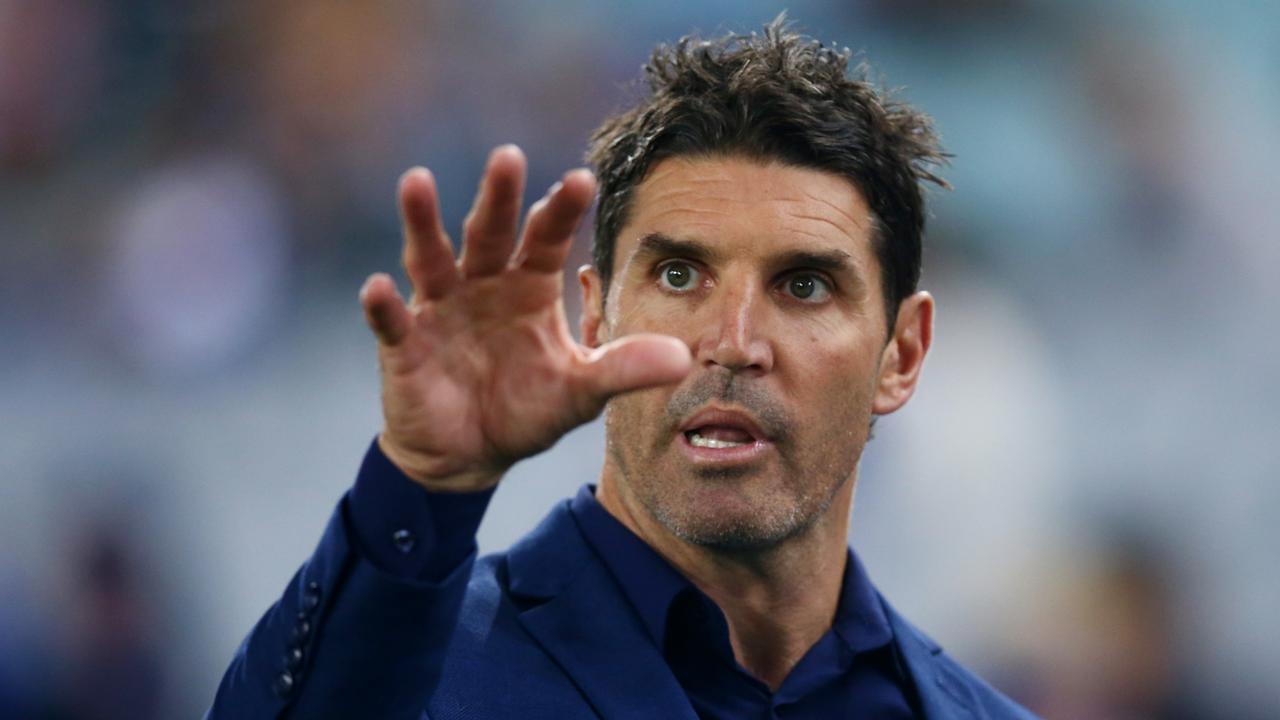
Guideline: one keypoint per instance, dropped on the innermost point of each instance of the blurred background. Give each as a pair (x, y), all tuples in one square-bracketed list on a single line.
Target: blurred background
[(1080, 502)]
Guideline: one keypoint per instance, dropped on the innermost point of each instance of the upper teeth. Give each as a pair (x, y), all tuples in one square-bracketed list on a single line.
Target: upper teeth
[(697, 440)]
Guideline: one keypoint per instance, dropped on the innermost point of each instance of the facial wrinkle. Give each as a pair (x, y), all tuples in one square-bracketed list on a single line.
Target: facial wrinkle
[(861, 224)]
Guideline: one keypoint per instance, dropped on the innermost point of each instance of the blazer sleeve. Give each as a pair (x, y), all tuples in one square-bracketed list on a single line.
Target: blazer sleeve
[(363, 627)]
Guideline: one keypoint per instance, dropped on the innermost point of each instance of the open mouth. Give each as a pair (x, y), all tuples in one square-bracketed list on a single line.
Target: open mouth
[(718, 437), (724, 435)]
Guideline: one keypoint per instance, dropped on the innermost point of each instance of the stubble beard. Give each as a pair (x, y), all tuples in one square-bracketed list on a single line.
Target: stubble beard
[(763, 520)]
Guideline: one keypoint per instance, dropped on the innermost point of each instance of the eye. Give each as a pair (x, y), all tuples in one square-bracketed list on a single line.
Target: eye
[(678, 276), (807, 287)]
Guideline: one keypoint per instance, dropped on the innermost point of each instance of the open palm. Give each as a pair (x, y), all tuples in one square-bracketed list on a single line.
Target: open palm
[(479, 369)]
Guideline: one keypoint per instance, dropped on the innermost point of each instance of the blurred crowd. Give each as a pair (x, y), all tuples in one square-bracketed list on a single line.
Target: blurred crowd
[(1079, 502)]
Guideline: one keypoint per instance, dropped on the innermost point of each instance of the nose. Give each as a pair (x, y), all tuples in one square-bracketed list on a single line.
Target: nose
[(730, 330)]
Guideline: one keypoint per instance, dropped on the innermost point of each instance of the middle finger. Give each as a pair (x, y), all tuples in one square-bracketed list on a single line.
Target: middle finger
[(490, 228)]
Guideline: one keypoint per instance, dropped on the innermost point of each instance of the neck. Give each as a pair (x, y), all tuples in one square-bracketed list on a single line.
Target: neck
[(777, 601)]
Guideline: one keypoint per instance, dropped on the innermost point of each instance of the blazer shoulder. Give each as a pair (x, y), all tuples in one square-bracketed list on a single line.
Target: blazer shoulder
[(947, 688), (990, 702)]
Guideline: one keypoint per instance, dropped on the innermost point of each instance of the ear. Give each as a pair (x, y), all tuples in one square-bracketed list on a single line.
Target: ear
[(903, 357), (591, 324)]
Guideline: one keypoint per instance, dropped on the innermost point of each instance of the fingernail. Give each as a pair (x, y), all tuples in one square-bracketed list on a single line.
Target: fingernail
[(555, 188), (414, 170), (504, 148)]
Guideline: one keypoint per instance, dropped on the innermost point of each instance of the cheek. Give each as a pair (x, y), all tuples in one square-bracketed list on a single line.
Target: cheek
[(633, 418), (621, 413), (651, 312), (836, 354), (834, 411), (830, 385)]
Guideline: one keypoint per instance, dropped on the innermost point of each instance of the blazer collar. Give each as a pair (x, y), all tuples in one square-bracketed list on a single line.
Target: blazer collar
[(573, 611), (578, 614)]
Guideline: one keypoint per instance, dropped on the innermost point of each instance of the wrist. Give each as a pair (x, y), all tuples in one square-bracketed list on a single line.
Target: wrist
[(435, 475)]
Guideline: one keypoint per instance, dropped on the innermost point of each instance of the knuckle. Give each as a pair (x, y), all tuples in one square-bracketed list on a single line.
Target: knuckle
[(566, 215), (471, 224)]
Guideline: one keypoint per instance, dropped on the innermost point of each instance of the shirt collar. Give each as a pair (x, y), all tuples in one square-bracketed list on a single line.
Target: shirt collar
[(860, 617), (650, 583)]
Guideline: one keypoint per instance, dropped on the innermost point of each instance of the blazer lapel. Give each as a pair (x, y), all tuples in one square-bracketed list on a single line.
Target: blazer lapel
[(943, 695), (577, 613)]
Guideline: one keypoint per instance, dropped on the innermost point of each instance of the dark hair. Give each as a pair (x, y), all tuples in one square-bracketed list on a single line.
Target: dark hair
[(777, 96)]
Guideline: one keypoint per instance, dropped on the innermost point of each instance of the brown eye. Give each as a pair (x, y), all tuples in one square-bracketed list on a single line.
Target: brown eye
[(678, 276)]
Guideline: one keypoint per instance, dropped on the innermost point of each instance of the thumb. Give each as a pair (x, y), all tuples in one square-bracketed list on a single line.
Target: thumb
[(634, 362)]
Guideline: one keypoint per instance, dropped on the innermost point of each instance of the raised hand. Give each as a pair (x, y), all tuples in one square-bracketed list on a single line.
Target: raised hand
[(479, 369)]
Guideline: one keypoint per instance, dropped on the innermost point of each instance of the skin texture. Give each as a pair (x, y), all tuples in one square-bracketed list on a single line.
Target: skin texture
[(765, 537), (479, 368), (779, 318)]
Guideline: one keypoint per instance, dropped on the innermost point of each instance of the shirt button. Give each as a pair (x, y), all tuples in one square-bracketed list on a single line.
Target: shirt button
[(284, 683), (404, 540)]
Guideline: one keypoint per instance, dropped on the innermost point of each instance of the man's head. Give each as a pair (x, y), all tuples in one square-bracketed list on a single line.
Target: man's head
[(781, 97), (766, 210)]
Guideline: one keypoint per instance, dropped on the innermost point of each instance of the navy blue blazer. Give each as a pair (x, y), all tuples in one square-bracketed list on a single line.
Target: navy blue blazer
[(541, 631)]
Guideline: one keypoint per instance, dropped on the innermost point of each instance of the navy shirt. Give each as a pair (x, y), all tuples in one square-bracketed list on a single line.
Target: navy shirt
[(851, 672)]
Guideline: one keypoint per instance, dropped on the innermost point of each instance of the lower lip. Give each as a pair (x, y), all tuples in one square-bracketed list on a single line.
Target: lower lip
[(737, 455)]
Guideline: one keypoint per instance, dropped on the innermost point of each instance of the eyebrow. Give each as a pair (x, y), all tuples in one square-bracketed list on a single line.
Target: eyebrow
[(657, 244), (834, 261)]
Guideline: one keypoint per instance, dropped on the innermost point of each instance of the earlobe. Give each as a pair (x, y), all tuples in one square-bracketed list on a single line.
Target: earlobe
[(903, 357), (589, 325)]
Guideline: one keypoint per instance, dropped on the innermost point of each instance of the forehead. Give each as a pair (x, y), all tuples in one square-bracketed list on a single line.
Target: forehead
[(748, 205)]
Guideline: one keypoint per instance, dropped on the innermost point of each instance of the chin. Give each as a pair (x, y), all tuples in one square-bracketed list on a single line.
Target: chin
[(721, 518), (736, 535)]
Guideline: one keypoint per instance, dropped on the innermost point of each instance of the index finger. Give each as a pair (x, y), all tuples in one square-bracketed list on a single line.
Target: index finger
[(548, 233), (428, 256)]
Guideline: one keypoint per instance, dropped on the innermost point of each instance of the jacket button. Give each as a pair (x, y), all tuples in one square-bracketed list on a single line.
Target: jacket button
[(284, 683), (311, 597), (293, 658), (301, 630), (404, 540)]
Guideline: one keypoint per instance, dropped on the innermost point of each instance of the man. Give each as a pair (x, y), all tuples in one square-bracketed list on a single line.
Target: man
[(751, 306)]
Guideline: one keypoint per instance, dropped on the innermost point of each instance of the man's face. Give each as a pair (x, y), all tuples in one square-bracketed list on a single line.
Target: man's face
[(767, 272)]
